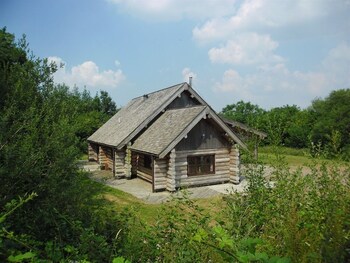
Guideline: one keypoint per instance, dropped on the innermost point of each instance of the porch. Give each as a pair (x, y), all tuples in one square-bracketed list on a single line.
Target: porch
[(143, 189)]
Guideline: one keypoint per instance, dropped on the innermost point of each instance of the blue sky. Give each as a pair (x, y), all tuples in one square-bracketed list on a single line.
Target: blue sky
[(270, 53)]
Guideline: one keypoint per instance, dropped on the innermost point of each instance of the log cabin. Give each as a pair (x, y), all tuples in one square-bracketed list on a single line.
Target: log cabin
[(171, 138)]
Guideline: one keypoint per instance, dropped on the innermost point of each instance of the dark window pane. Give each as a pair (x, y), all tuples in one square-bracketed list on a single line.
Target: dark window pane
[(148, 161), (202, 164)]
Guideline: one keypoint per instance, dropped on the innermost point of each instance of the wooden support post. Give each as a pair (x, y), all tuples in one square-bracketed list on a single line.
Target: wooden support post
[(133, 164), (153, 181), (128, 162), (234, 165), (171, 174)]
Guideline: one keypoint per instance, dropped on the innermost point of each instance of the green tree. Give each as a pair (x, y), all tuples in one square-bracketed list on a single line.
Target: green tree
[(280, 123), (38, 149), (332, 117), (244, 112), (10, 54), (298, 130), (108, 106)]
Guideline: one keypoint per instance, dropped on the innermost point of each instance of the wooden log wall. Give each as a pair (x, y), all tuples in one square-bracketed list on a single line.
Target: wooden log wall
[(222, 168), (160, 173), (93, 152), (234, 165), (142, 171), (144, 176), (106, 157), (119, 157)]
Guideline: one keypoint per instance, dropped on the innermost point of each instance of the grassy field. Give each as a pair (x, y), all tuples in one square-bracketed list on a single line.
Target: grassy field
[(293, 157)]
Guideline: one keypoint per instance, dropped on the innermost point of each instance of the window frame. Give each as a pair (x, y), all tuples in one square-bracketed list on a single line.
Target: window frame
[(199, 164)]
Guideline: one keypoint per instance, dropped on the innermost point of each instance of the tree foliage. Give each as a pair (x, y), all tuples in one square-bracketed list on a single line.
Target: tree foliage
[(332, 121), (324, 125), (40, 135), (244, 112)]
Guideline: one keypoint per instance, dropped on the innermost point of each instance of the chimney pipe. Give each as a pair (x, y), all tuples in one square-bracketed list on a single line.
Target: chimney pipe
[(190, 81)]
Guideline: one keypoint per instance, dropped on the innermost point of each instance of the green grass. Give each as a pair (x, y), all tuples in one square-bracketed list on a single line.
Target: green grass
[(293, 157), (284, 150), (292, 160), (119, 201), (83, 157)]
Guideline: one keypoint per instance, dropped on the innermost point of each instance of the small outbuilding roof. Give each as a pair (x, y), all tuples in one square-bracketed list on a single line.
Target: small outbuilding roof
[(241, 126)]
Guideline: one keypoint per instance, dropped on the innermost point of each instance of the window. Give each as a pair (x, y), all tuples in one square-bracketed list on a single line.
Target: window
[(201, 164), (147, 161)]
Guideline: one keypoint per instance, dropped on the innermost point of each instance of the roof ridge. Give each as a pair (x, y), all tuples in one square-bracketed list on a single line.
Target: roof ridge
[(156, 91), (189, 107)]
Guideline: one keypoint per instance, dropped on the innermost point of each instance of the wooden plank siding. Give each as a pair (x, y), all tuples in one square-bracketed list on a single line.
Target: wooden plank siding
[(205, 135), (185, 100)]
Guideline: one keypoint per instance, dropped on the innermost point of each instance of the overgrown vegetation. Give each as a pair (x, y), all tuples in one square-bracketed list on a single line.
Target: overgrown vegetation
[(40, 139), (293, 218), (323, 128), (51, 212)]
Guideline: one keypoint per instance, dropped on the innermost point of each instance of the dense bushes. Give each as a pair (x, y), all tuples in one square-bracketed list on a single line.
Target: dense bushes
[(39, 144), (293, 217)]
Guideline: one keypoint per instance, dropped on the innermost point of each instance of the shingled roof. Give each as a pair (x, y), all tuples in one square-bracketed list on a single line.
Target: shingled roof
[(139, 112), (132, 118), (167, 129)]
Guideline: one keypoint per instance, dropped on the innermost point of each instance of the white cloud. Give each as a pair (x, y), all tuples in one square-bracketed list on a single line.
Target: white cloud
[(263, 87), (337, 65), (290, 87), (260, 15), (231, 82), (87, 74), (176, 9), (249, 48), (187, 73)]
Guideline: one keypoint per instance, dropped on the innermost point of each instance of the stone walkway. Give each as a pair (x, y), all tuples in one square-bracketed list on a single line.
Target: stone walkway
[(143, 190)]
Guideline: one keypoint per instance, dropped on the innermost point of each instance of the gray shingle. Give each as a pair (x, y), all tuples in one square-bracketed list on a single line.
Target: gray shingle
[(166, 129), (132, 117)]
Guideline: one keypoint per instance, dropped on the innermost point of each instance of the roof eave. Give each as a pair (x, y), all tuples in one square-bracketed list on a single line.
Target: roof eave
[(229, 132), (202, 114), (242, 126)]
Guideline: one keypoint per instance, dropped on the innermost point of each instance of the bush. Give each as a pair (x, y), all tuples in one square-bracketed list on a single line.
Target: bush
[(296, 218)]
